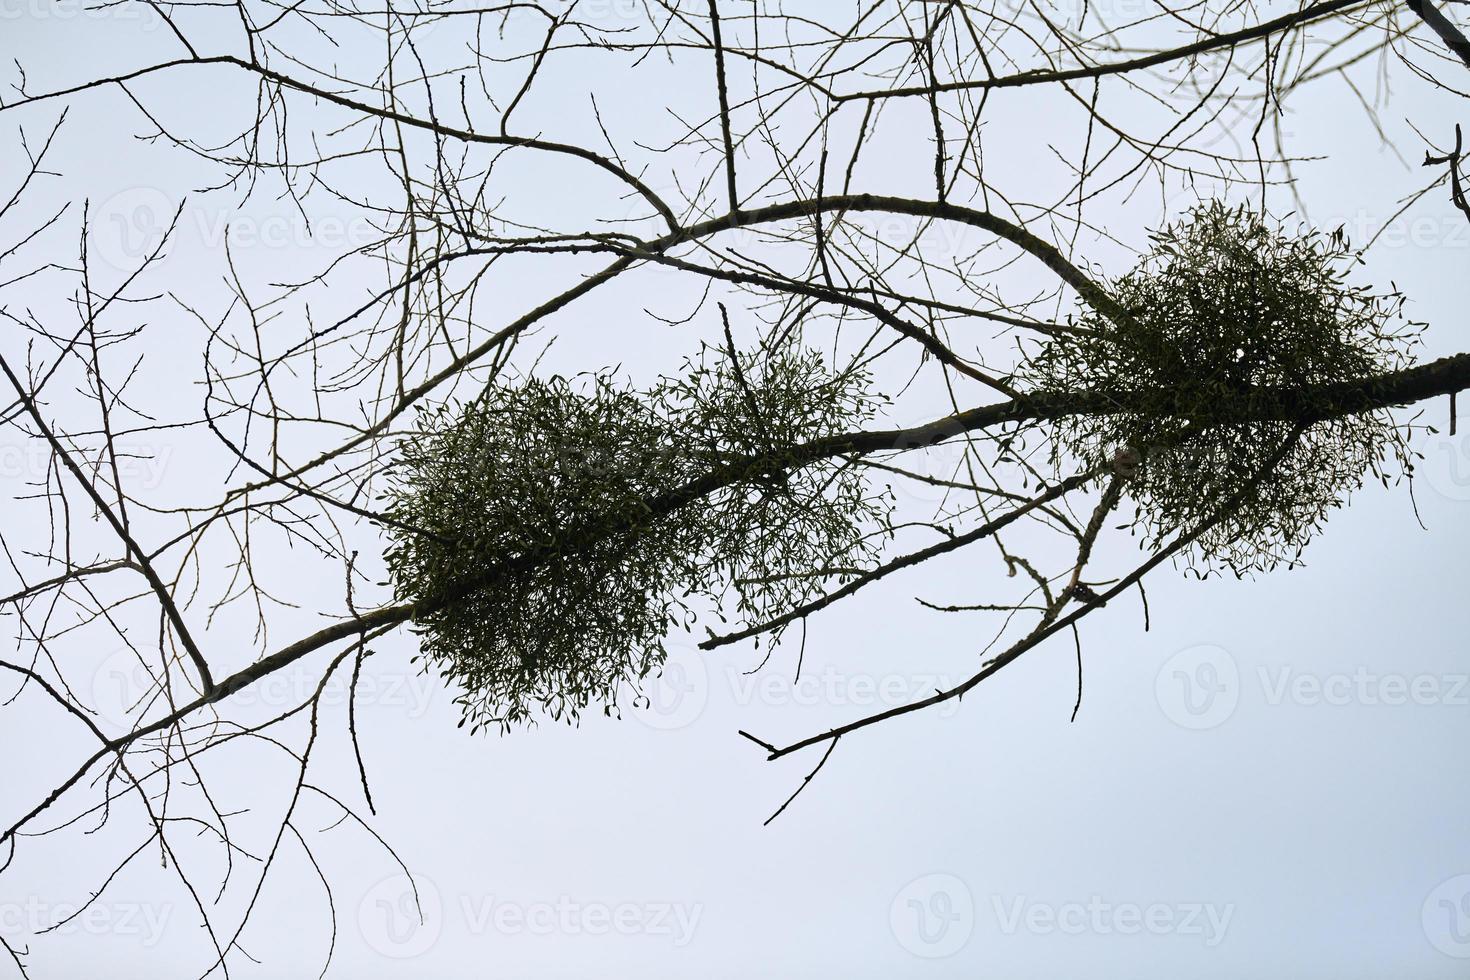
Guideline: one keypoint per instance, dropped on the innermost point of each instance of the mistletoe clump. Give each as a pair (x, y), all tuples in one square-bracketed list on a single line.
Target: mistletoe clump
[(553, 532), (1218, 386)]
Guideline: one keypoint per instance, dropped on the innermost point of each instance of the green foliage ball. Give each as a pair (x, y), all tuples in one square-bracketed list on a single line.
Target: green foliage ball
[(541, 530), (1236, 334)]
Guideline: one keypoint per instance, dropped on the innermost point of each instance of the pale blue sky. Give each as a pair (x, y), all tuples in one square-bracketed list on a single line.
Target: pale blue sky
[(1307, 821)]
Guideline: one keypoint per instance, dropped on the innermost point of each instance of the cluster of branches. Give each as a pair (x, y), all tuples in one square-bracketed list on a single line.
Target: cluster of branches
[(863, 180)]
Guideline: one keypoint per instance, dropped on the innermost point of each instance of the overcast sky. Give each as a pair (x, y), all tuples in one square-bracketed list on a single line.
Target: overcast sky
[(1270, 781)]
